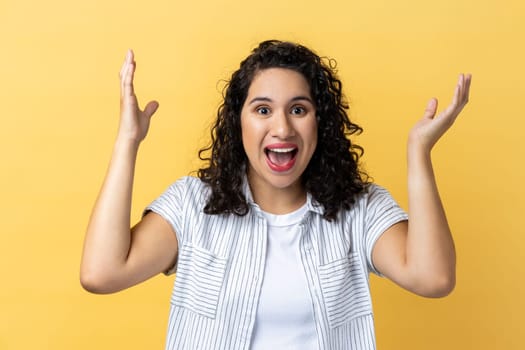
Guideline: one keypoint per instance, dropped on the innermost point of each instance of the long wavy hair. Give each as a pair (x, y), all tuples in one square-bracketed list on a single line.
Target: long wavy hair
[(333, 176)]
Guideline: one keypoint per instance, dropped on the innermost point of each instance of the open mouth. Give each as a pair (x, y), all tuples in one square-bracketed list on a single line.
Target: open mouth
[(281, 159)]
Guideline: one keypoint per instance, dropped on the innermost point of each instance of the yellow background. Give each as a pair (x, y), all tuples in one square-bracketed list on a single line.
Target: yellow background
[(59, 64)]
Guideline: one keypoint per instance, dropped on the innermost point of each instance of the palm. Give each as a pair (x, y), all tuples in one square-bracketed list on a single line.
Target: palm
[(429, 129)]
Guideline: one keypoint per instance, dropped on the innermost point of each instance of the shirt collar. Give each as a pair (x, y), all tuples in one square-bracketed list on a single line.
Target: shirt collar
[(311, 203)]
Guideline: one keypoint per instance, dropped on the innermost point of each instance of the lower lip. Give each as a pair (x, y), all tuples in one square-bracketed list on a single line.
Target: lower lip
[(281, 168)]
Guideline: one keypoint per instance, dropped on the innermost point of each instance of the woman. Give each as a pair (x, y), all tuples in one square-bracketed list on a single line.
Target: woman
[(273, 242)]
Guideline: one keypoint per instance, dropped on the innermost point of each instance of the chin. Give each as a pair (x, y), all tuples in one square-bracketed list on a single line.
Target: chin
[(283, 181)]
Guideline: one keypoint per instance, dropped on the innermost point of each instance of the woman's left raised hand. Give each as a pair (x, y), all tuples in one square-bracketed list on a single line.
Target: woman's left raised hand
[(429, 129)]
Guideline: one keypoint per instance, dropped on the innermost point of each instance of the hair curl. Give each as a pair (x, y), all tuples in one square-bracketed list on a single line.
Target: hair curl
[(332, 177)]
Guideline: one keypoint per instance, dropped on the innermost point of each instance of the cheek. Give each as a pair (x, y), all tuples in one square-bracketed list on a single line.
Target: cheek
[(244, 129), (245, 142), (249, 135), (312, 135), (252, 129)]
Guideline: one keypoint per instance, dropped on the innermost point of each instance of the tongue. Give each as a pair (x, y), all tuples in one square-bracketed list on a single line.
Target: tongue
[(280, 158)]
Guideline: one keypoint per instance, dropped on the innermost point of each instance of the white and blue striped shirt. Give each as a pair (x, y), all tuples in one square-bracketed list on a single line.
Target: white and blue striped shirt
[(221, 261)]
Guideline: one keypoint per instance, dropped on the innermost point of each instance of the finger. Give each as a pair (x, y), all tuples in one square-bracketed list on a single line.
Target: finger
[(458, 101), (122, 74), (124, 65), (122, 70), (431, 108), (460, 95), (123, 80), (468, 79), (461, 85), (457, 92), (125, 73), (151, 108), (127, 79)]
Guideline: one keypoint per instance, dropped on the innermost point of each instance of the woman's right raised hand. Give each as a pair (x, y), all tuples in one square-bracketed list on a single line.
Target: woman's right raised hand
[(134, 122), (116, 257)]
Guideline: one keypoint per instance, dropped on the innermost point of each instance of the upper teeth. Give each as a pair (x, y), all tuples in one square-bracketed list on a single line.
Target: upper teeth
[(281, 150)]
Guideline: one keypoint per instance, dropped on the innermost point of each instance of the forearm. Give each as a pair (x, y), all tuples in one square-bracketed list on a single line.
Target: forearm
[(430, 252), (108, 237)]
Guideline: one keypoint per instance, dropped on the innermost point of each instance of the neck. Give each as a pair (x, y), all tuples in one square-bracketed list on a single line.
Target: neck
[(277, 200)]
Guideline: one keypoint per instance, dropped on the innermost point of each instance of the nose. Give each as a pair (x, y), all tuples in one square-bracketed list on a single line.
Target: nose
[(282, 126)]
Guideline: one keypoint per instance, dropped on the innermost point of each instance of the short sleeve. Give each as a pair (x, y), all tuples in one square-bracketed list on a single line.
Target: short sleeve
[(382, 212), (170, 206)]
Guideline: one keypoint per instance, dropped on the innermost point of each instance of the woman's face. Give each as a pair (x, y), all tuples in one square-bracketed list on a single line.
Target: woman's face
[(279, 128)]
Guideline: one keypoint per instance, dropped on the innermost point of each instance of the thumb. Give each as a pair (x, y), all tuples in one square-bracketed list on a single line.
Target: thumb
[(151, 108), (430, 110)]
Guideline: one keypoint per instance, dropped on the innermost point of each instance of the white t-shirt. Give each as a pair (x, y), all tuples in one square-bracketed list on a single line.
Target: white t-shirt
[(284, 318)]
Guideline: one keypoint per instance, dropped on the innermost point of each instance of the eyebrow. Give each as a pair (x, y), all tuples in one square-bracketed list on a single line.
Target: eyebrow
[(267, 99)]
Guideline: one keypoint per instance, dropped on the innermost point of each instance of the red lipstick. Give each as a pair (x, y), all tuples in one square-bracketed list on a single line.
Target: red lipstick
[(281, 157)]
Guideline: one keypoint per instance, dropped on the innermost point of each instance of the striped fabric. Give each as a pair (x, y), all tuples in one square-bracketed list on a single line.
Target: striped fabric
[(221, 261)]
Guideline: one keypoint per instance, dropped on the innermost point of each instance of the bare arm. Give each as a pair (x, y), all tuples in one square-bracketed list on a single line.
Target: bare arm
[(116, 257), (420, 255)]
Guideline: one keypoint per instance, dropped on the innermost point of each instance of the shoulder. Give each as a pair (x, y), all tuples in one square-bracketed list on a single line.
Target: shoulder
[(188, 182), (372, 195), (373, 189), (375, 193), (186, 193), (380, 208), (188, 186), (373, 203)]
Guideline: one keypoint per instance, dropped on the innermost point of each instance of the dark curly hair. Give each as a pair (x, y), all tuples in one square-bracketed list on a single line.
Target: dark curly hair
[(332, 177)]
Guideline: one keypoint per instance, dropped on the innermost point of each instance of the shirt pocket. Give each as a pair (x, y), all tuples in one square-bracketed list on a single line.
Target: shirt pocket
[(345, 290), (198, 281)]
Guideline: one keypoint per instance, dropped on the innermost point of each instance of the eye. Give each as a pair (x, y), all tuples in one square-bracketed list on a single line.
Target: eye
[(263, 110), (298, 110)]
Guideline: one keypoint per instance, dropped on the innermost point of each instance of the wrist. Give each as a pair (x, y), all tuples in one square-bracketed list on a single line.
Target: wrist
[(417, 147), (418, 155), (126, 144)]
